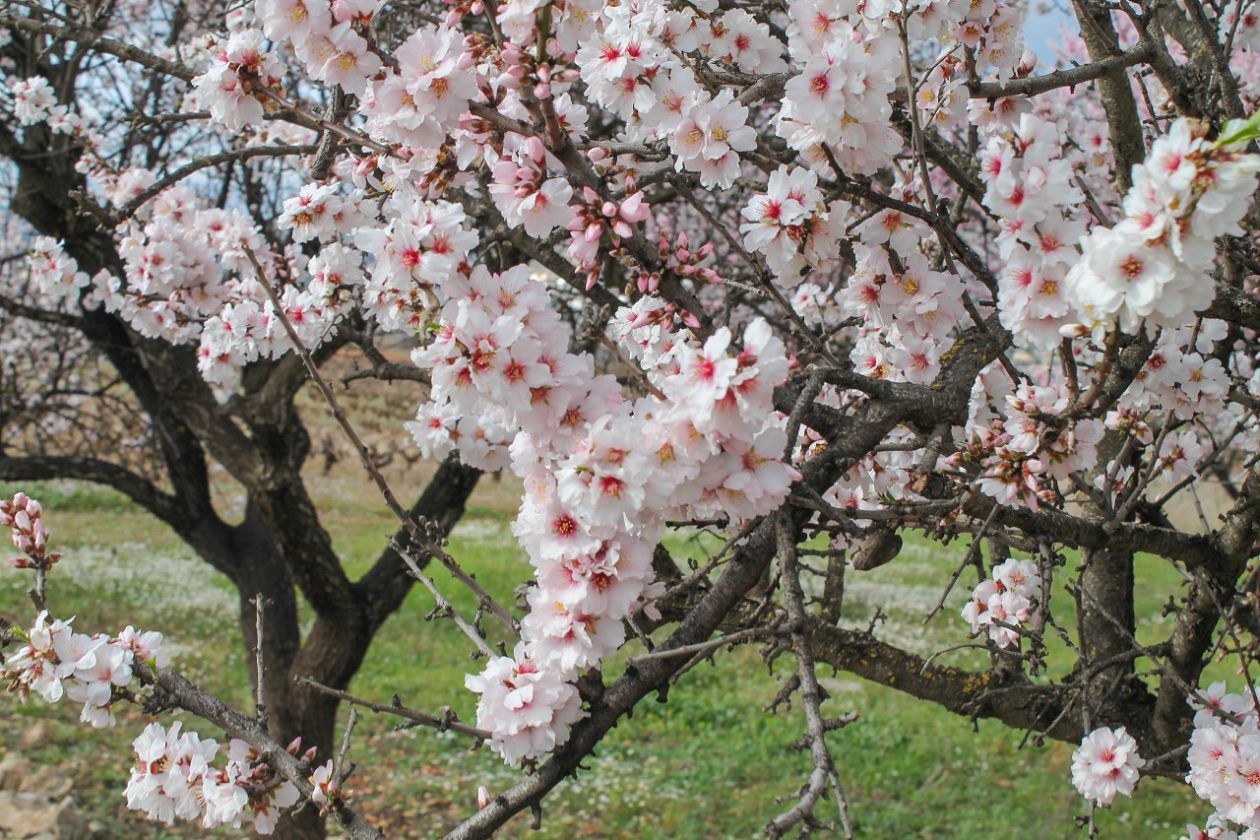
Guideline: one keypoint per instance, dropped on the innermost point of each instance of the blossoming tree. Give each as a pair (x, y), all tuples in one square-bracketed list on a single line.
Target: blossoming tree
[(809, 275)]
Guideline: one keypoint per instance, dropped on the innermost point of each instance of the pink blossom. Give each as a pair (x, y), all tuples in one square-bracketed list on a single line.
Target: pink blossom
[(1106, 764)]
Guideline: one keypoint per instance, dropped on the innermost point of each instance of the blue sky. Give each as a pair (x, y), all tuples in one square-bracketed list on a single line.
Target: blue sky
[(1042, 27)]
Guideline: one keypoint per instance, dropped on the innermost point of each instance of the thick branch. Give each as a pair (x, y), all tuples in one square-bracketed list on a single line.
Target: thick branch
[(1083, 74), (135, 487)]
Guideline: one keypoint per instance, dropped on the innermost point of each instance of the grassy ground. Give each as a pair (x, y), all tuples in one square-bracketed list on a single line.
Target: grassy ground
[(709, 764)]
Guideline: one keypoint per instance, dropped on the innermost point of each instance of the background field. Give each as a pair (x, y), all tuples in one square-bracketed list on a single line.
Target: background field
[(709, 764)]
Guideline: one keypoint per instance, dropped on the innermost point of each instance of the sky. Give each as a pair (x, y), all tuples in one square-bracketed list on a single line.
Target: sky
[(1042, 27)]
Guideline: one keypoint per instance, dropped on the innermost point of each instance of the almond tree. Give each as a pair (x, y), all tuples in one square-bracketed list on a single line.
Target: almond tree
[(810, 276)]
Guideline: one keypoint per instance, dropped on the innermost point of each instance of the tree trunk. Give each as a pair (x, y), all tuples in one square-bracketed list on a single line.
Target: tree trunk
[(336, 646), (262, 573), (1108, 629), (315, 724)]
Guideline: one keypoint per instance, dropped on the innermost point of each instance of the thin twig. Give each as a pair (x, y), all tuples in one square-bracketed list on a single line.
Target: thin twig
[(443, 605), (686, 650), (968, 559), (825, 774), (260, 705), (442, 724), (340, 774)]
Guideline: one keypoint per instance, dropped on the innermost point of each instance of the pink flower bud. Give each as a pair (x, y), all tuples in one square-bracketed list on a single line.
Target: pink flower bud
[(1027, 63), (622, 229), (537, 151), (513, 77), (483, 797), (633, 209), (608, 209), (342, 11)]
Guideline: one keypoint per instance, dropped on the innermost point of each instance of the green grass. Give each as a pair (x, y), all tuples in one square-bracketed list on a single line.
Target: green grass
[(709, 764)]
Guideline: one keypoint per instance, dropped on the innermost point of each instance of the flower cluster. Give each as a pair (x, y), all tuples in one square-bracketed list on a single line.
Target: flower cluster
[(1224, 755), (593, 218), (524, 194), (174, 778), (907, 311), (1006, 598), (188, 276), (35, 101), (1106, 764), (23, 516), (540, 706), (1152, 267), (1034, 446), (741, 40), (56, 662), (318, 212), (710, 137), (328, 38), (415, 103), (55, 273), (601, 472), (231, 89), (840, 97), (792, 225), (1030, 187), (559, 125)]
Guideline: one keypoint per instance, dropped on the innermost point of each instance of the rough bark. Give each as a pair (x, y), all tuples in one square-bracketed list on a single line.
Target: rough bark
[(1107, 624), (1117, 96)]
